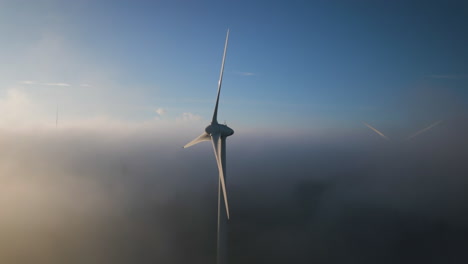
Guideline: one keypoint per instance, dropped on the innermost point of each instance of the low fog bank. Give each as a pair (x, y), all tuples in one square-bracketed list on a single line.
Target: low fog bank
[(78, 196)]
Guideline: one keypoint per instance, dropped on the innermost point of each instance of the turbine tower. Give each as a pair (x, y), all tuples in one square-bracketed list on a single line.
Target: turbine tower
[(217, 134)]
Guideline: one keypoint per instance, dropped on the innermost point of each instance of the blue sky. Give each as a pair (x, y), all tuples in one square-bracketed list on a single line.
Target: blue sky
[(297, 64)]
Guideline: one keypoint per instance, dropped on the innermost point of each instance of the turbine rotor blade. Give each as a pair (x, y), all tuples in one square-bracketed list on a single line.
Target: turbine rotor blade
[(376, 131), (215, 114), (424, 129), (202, 137), (217, 147)]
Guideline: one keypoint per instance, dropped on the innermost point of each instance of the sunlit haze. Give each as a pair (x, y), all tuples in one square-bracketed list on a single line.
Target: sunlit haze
[(350, 119)]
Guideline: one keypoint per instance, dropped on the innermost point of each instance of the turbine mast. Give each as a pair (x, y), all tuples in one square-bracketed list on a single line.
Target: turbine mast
[(222, 256)]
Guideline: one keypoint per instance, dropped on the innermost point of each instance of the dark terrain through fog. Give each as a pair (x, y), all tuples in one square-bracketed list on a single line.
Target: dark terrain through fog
[(83, 197)]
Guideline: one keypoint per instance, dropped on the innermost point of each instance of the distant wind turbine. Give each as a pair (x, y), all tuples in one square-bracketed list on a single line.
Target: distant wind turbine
[(217, 134), (411, 136)]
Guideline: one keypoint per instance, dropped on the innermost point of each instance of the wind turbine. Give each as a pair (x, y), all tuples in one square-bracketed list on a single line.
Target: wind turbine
[(217, 134), (411, 136)]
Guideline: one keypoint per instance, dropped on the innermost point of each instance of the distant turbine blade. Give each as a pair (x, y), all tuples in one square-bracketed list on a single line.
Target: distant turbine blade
[(424, 129), (202, 137), (217, 147), (215, 114), (376, 131)]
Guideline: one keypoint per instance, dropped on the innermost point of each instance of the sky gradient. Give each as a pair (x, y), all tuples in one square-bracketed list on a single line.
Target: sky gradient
[(321, 65), (350, 122)]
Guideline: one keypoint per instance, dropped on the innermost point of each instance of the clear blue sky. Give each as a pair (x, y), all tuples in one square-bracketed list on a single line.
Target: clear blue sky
[(319, 63)]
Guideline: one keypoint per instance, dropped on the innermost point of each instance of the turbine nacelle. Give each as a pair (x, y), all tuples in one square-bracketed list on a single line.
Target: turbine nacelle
[(222, 130)]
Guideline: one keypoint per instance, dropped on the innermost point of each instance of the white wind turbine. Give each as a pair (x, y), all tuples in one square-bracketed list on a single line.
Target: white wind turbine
[(217, 134), (411, 136)]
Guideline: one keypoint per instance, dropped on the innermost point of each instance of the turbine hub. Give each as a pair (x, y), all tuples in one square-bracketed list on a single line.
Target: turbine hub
[(223, 130)]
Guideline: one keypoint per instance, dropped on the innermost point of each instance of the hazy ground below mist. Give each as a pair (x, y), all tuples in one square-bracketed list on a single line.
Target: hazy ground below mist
[(85, 197)]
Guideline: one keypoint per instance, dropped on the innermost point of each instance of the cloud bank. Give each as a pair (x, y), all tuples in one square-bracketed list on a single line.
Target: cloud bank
[(80, 195)]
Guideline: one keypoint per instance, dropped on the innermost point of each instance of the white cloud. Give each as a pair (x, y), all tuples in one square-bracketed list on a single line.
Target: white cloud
[(246, 73), (51, 84), (161, 111), (24, 111), (190, 117), (27, 82), (85, 85), (57, 84)]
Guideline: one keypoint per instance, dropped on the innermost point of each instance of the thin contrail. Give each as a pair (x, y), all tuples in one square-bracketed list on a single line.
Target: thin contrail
[(376, 131), (424, 129)]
